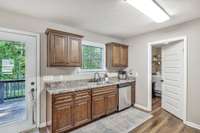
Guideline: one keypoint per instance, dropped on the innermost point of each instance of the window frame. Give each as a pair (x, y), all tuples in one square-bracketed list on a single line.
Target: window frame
[(99, 45)]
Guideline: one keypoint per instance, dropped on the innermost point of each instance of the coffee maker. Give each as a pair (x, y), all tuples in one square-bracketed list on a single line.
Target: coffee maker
[(122, 75)]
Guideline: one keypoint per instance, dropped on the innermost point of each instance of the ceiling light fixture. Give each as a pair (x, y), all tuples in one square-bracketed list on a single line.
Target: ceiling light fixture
[(151, 9)]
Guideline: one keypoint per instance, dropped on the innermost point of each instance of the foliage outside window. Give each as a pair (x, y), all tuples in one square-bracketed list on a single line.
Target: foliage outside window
[(12, 60), (92, 56)]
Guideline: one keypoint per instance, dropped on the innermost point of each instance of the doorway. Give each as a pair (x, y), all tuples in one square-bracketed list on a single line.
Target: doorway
[(156, 77), (18, 81), (167, 76)]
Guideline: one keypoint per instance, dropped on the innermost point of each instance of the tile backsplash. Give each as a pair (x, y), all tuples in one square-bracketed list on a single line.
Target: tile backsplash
[(79, 76)]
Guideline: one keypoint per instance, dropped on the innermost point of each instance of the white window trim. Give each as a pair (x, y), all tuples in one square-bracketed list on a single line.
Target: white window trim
[(95, 44)]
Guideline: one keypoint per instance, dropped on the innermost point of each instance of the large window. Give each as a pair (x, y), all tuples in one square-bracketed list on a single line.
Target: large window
[(93, 56)]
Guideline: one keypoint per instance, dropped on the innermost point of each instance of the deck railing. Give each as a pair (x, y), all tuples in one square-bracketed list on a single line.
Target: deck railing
[(11, 89)]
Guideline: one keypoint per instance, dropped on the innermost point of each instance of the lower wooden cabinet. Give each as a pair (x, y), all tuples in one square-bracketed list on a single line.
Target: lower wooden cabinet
[(82, 108), (112, 102), (62, 117), (67, 111), (62, 112), (98, 106), (104, 101)]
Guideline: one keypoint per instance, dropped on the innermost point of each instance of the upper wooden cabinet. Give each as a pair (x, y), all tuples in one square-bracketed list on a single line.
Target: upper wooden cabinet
[(64, 49), (116, 55)]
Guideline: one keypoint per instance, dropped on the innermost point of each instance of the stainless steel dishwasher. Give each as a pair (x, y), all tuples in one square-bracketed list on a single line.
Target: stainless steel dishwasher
[(124, 96)]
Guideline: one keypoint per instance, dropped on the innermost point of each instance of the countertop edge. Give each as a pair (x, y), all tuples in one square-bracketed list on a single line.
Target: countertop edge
[(79, 88)]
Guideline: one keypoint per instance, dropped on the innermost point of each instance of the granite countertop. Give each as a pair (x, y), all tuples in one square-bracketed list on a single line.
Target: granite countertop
[(70, 86)]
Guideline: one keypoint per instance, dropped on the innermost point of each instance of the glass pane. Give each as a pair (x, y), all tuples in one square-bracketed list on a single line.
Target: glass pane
[(12, 81), (92, 57)]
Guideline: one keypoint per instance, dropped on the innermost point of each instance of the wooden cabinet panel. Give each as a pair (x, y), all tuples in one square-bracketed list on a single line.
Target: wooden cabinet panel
[(98, 106), (116, 55), (82, 112), (133, 93), (73, 109), (112, 103), (104, 101), (58, 49), (62, 115), (64, 49), (74, 51), (82, 107), (124, 56), (103, 90), (69, 110)]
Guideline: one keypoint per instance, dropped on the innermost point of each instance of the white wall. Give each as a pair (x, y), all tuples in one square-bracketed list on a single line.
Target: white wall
[(138, 59), (25, 23)]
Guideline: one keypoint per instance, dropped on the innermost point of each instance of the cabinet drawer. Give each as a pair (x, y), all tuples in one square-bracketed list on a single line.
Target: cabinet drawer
[(104, 90), (62, 98), (85, 94), (62, 105)]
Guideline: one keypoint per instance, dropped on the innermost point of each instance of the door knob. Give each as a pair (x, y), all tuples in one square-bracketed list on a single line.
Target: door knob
[(32, 83)]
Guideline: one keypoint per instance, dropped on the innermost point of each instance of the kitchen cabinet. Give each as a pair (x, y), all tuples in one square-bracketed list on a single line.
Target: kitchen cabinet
[(133, 92), (74, 51), (104, 101), (82, 107), (98, 106), (116, 55), (68, 110), (124, 56), (112, 102), (62, 113), (63, 49)]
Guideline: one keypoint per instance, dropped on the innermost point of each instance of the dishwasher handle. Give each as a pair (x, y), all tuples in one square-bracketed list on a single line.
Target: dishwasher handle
[(124, 85)]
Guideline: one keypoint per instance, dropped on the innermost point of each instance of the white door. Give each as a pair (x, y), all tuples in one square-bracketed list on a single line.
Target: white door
[(173, 76), (17, 82)]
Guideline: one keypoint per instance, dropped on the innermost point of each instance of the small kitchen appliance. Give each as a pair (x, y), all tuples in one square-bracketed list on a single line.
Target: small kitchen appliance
[(122, 75)]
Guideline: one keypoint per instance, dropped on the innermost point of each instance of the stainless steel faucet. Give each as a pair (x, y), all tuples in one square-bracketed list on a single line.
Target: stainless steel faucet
[(97, 77)]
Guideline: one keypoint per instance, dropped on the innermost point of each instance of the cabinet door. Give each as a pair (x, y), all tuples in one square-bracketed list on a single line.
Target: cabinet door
[(58, 50), (124, 56), (74, 51), (82, 108), (111, 101), (98, 106), (133, 93), (116, 55), (62, 117)]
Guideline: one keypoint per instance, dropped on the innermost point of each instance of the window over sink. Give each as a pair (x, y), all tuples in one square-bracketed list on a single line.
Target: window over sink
[(93, 56)]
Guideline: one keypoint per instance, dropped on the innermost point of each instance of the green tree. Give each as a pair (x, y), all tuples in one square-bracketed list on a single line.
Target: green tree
[(16, 52), (92, 57)]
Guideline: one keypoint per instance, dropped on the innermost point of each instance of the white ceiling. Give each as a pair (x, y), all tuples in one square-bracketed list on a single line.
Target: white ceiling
[(109, 17)]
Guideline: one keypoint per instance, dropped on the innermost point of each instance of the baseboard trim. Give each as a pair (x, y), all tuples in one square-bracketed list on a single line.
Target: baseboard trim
[(142, 107), (42, 125), (191, 124)]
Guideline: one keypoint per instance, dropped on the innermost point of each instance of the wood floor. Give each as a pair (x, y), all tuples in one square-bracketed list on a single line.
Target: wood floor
[(161, 122)]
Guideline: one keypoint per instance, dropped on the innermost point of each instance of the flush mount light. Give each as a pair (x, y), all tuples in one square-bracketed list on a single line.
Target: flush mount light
[(151, 9)]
